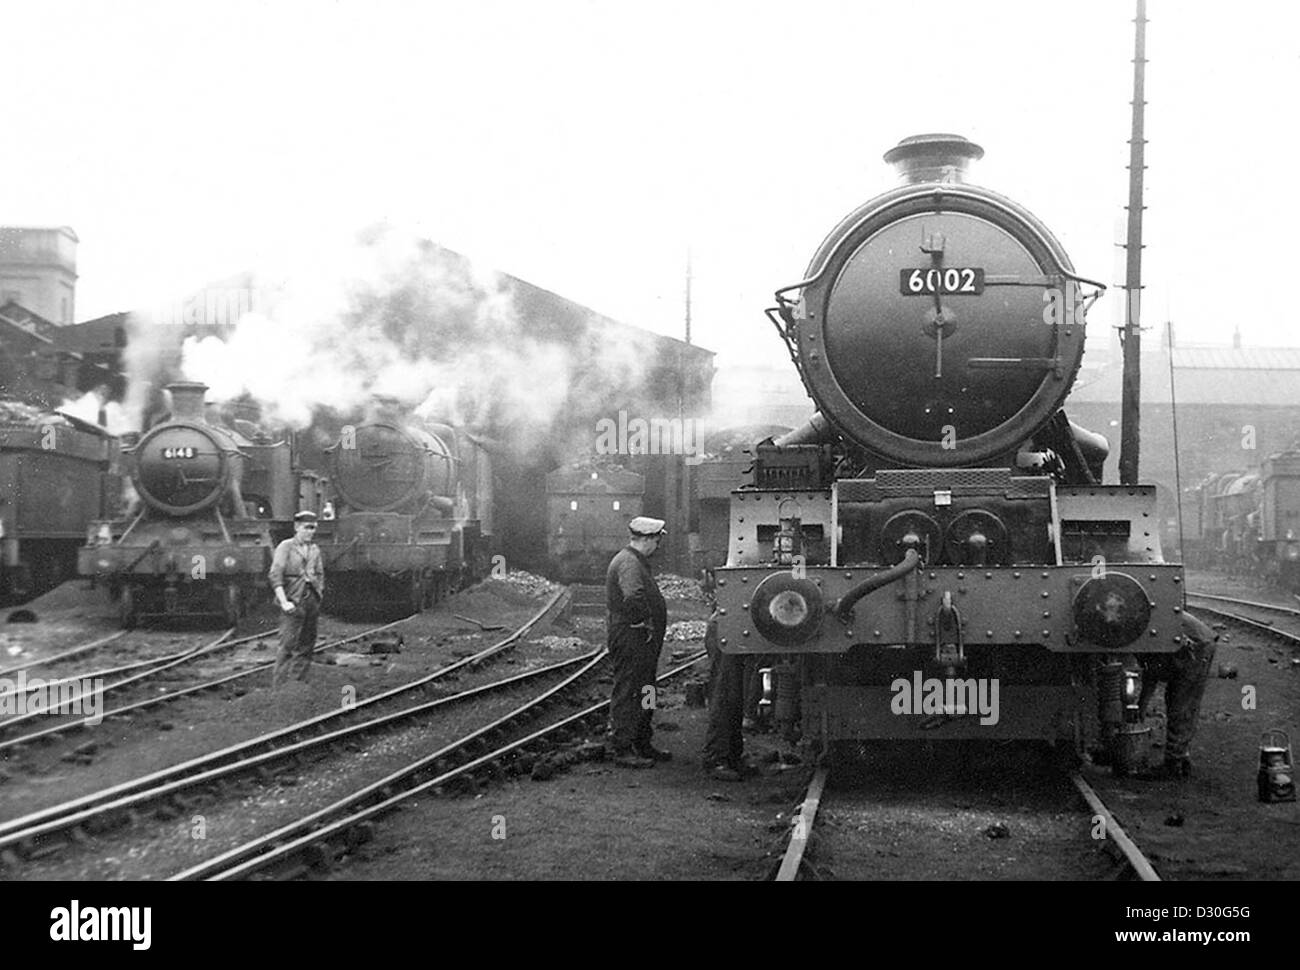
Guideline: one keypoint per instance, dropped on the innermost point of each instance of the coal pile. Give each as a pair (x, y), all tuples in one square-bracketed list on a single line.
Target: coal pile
[(18, 413), (680, 588), (528, 584), (569, 644), (686, 630)]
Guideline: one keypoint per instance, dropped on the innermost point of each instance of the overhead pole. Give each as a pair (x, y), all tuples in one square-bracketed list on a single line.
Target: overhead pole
[(688, 296), (1130, 408)]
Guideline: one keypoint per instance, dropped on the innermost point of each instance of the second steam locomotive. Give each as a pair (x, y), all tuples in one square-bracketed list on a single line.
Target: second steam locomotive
[(414, 513)]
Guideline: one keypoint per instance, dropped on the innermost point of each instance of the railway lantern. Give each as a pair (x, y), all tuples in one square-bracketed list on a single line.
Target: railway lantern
[(1276, 777), (789, 537)]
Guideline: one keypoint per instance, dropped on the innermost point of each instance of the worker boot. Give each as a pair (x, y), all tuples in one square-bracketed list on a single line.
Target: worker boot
[(630, 759), (647, 750)]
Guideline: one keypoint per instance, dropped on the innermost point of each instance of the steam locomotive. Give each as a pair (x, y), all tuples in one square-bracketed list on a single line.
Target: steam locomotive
[(414, 516), (212, 503), (933, 555), (1250, 521)]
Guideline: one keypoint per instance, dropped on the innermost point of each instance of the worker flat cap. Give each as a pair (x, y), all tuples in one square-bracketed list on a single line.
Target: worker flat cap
[(305, 516), (643, 525)]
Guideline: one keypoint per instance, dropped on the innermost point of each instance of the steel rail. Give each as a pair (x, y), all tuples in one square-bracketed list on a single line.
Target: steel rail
[(181, 692), (72, 652), (132, 802), (85, 807), (270, 848), (188, 654), (1256, 625), (1141, 867), (1290, 611), (116, 685), (801, 827)]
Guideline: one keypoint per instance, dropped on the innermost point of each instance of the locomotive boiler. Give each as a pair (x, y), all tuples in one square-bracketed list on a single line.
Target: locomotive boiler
[(413, 520), (212, 502), (933, 556)]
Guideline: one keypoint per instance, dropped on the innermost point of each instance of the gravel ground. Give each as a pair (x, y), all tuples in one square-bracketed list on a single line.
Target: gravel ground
[(954, 813), (932, 818)]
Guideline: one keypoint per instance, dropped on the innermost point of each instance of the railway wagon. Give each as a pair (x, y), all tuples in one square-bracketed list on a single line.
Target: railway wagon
[(933, 556), (588, 510), (212, 503), (57, 475), (413, 513)]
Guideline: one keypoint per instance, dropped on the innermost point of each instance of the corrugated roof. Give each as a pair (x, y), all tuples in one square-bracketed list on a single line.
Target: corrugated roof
[(1268, 377), (1237, 358)]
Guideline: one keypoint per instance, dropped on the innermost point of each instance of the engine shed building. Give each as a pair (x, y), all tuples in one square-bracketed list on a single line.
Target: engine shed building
[(37, 369), (1235, 407), (671, 387)]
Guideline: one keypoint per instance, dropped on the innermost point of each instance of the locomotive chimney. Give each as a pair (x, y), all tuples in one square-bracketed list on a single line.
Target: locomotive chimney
[(933, 158), (187, 399), (386, 407)]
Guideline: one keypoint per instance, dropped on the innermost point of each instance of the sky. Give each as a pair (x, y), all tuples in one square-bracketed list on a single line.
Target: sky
[(588, 146)]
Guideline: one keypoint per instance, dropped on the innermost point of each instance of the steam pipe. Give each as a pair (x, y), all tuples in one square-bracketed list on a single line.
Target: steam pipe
[(817, 431), (842, 607)]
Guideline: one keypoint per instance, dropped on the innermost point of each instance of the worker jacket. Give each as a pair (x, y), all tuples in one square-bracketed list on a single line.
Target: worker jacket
[(637, 613), (297, 566)]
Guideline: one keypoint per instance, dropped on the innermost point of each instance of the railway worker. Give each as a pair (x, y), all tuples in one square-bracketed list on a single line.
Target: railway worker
[(298, 578), (1185, 674), (637, 619), (724, 743)]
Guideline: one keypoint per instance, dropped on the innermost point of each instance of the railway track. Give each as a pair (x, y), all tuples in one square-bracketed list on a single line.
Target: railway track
[(64, 655), (50, 830), (137, 671), (1238, 611), (152, 669), (795, 864), (325, 836)]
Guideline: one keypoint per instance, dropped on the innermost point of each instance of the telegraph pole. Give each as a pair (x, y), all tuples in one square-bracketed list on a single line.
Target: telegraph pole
[(1131, 405), (688, 296)]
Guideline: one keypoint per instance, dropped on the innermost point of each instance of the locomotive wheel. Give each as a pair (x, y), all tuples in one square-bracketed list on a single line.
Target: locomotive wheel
[(233, 605), (126, 609)]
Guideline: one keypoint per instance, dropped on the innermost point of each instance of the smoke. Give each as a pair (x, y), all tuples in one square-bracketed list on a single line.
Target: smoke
[(395, 316), (117, 420)]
